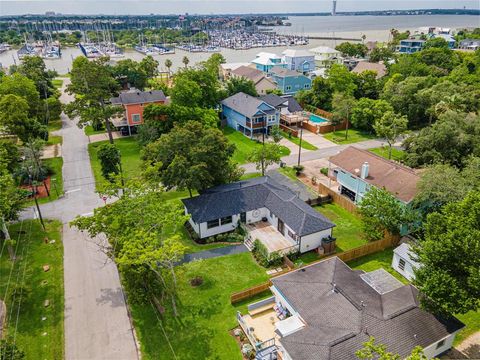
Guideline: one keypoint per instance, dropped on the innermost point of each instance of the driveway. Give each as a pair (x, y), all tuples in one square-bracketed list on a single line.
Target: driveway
[(97, 325)]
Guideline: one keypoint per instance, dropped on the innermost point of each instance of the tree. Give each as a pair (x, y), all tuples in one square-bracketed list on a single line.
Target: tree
[(93, 85), (33, 67), (19, 85), (381, 54), (16, 120), (372, 351), (128, 73), (341, 80), (276, 133), (436, 42), (149, 66), (10, 351), (449, 277), (266, 155), (235, 85), (191, 157), (342, 108), (367, 85), (185, 61), (366, 112), (277, 92), (381, 212), (319, 96), (186, 92), (10, 154), (168, 65), (352, 50), (390, 126), (109, 157)]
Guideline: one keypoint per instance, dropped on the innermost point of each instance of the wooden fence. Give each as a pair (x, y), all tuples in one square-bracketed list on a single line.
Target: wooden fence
[(289, 130), (328, 128), (341, 200), (250, 292), (323, 113)]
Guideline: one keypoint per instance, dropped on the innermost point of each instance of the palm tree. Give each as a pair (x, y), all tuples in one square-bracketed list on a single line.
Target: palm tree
[(168, 64), (185, 61)]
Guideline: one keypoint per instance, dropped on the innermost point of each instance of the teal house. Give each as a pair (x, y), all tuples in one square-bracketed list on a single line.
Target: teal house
[(266, 61), (289, 82)]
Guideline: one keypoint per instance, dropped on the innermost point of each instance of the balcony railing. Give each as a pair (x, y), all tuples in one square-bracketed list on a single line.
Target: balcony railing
[(255, 125)]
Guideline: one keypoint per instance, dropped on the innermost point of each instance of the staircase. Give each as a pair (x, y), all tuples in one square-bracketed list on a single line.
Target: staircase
[(248, 242)]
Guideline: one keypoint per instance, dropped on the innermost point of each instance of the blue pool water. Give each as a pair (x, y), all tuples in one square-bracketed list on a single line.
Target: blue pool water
[(317, 119)]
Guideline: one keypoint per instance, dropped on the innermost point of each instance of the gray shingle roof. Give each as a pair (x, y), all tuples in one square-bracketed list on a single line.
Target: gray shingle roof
[(341, 317), (283, 72), (138, 97), (275, 101), (248, 195), (244, 104)]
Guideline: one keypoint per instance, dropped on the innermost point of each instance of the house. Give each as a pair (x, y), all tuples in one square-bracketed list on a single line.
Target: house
[(362, 66), (302, 61), (469, 44), (448, 38), (404, 262), (133, 102), (266, 61), (226, 69), (327, 311), (290, 110), (271, 213), (326, 56), (288, 81), (356, 170), (261, 81), (249, 115), (410, 46)]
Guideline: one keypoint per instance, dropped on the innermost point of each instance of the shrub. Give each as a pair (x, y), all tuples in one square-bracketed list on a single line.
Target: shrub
[(262, 256), (324, 171), (298, 169), (196, 281)]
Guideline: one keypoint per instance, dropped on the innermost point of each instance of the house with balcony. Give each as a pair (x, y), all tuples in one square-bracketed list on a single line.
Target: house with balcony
[(266, 61), (327, 311), (249, 115), (269, 211), (291, 113), (133, 103), (302, 61), (326, 56), (357, 170), (289, 82), (260, 80), (410, 46)]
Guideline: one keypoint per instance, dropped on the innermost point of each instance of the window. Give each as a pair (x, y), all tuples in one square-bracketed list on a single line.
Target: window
[(440, 343), (212, 223), (306, 86), (288, 88), (292, 235), (401, 264), (136, 118), (226, 220)]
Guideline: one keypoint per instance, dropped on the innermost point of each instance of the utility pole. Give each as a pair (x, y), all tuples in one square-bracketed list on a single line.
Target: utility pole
[(36, 201), (300, 143)]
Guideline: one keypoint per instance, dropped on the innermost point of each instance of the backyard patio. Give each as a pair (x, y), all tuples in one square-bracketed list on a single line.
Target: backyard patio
[(270, 237)]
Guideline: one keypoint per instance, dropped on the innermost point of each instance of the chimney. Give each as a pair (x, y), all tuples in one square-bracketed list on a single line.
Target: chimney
[(364, 173)]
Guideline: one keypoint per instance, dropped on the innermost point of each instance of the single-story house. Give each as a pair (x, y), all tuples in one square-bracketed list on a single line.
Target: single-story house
[(272, 214), (404, 262), (362, 66), (469, 44), (133, 102), (302, 61), (265, 61), (289, 82), (326, 56), (249, 115), (327, 311), (356, 170), (261, 81)]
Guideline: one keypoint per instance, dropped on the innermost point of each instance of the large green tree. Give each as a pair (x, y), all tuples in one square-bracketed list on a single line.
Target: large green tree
[(371, 351), (109, 157), (352, 49), (93, 85), (341, 79), (236, 85), (191, 157), (390, 126), (342, 110), (19, 85), (449, 277), (265, 156), (367, 85), (33, 67), (367, 111)]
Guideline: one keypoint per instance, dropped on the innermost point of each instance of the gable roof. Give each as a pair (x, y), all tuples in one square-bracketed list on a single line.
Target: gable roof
[(324, 50), (404, 250), (362, 66), (138, 97), (249, 73), (283, 72), (397, 179), (297, 53), (246, 105), (342, 311), (284, 101), (242, 196), (265, 58)]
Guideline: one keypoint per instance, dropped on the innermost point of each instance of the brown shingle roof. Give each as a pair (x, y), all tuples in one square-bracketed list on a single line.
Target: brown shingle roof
[(397, 179), (362, 66), (249, 73)]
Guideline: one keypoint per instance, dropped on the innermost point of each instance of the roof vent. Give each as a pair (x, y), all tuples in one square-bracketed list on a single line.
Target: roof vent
[(365, 168), (334, 287)]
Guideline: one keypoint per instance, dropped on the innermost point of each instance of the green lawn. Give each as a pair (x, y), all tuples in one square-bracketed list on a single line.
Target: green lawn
[(205, 312), (90, 131), (130, 150), (244, 145), (39, 339), (472, 322), (250, 175), (348, 229), (397, 155), (305, 144), (289, 172), (353, 136), (57, 83), (54, 139), (54, 125)]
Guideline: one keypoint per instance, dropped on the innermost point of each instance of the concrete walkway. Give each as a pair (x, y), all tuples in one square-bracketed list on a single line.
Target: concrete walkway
[(213, 253), (104, 136), (97, 325)]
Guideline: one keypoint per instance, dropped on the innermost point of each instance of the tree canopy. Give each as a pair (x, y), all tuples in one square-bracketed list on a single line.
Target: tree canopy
[(352, 49), (235, 85)]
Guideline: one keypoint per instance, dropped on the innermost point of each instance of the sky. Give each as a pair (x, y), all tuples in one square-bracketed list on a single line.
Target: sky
[(139, 7)]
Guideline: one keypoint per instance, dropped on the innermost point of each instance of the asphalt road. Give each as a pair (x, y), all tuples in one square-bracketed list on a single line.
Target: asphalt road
[(97, 325)]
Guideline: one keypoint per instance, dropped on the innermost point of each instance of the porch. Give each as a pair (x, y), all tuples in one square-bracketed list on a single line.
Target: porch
[(269, 236)]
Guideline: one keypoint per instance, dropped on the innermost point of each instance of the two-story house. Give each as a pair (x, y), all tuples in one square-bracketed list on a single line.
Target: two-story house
[(259, 78), (302, 61), (249, 115), (326, 56), (133, 102), (266, 61), (289, 82), (410, 46)]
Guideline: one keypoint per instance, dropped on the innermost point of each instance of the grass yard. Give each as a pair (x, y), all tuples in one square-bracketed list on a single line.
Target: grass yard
[(38, 286), (90, 131), (57, 83), (289, 172), (244, 145), (250, 175), (353, 136), (205, 314), (305, 144), (348, 231), (397, 154), (130, 150), (472, 322), (54, 125), (54, 139)]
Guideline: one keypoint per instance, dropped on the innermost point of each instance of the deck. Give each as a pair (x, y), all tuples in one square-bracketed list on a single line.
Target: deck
[(262, 324), (270, 237)]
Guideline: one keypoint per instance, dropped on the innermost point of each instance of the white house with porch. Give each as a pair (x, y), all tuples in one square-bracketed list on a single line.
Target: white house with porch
[(271, 213)]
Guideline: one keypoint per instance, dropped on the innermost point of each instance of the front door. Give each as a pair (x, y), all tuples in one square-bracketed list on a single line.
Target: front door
[(243, 217), (281, 227)]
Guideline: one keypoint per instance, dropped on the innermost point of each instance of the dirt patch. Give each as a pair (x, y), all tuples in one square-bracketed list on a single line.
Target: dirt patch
[(41, 191)]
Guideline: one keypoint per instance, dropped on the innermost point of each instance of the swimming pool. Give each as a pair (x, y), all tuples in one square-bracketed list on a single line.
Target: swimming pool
[(317, 119)]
